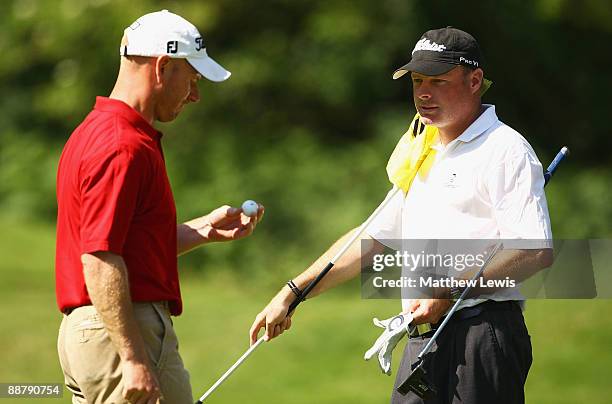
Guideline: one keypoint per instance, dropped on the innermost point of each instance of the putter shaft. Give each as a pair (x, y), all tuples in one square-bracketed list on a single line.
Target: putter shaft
[(453, 309), (231, 370)]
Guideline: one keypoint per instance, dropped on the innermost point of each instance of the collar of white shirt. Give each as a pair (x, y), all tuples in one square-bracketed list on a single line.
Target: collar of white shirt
[(485, 121)]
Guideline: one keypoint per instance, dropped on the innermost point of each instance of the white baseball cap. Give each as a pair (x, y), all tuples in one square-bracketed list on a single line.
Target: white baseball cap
[(164, 33)]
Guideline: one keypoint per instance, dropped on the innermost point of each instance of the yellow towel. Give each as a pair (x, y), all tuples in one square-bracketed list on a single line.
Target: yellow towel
[(413, 154)]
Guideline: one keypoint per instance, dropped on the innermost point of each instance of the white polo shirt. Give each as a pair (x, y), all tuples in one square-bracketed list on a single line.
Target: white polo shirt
[(486, 184)]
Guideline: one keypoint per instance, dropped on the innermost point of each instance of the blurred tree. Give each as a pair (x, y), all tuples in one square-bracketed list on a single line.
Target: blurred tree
[(311, 113)]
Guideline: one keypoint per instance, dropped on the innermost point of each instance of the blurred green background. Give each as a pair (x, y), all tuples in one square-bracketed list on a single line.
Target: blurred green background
[(305, 126)]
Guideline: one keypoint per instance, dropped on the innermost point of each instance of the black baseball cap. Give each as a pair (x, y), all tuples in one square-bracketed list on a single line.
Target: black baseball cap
[(440, 50)]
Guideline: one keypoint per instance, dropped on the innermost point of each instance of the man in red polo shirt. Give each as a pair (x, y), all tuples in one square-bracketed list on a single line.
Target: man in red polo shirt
[(117, 235)]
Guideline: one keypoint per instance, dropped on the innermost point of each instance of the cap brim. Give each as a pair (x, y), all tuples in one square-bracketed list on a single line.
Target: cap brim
[(434, 69), (210, 69), (426, 67)]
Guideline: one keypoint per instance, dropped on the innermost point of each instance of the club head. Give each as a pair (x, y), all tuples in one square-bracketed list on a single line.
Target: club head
[(417, 383)]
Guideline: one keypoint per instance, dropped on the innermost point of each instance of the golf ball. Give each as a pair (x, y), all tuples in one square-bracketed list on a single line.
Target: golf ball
[(250, 208)]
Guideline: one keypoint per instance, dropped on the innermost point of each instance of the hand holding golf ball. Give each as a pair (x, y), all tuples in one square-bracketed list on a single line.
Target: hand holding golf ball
[(250, 208), (228, 223)]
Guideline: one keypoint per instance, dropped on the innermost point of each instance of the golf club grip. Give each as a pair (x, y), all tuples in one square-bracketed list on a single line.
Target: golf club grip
[(299, 299), (555, 163)]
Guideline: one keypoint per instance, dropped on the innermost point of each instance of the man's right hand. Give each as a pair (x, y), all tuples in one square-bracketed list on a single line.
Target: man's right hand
[(140, 386), (273, 317)]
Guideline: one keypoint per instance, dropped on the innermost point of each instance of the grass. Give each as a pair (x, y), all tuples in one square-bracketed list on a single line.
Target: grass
[(319, 360)]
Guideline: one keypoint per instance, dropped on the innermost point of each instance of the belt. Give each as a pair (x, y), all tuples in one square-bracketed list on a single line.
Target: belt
[(69, 310), (426, 330), (164, 304)]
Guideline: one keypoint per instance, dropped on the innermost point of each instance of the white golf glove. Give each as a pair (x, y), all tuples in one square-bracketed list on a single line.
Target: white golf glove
[(395, 328)]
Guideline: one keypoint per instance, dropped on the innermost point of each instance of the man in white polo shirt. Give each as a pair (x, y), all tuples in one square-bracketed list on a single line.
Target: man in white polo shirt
[(484, 181)]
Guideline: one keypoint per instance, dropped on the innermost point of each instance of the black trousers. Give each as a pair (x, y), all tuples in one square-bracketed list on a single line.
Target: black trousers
[(477, 359)]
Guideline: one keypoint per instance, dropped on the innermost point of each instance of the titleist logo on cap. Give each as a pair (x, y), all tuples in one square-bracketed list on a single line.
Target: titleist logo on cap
[(426, 44), (441, 50)]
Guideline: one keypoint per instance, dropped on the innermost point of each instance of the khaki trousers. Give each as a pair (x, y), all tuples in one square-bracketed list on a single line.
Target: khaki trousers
[(92, 367)]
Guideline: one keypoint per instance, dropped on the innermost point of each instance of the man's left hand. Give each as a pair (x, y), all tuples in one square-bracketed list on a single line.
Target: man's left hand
[(428, 310), (222, 224)]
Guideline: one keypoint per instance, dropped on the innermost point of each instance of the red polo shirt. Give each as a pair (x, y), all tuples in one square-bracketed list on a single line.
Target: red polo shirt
[(113, 194)]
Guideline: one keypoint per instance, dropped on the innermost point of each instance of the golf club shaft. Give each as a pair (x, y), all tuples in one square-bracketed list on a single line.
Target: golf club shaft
[(547, 175), (458, 302), (231, 370), (304, 293)]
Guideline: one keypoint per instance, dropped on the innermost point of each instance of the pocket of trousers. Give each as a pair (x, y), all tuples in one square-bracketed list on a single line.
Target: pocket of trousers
[(496, 333), (150, 322), (154, 331), (511, 341), (89, 328), (522, 343)]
